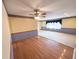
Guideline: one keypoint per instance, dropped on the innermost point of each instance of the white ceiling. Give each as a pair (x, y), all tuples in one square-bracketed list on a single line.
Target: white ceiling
[(53, 8)]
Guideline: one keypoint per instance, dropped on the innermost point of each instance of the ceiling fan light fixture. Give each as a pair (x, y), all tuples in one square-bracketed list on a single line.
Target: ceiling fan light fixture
[(36, 17)]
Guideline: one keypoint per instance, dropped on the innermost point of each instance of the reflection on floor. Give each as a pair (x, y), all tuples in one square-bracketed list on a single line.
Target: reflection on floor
[(66, 39), (41, 48)]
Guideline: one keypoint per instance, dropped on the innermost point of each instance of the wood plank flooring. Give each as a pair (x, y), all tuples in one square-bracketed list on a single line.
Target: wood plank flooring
[(41, 48)]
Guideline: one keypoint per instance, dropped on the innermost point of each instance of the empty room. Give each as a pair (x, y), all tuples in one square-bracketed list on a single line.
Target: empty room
[(39, 29)]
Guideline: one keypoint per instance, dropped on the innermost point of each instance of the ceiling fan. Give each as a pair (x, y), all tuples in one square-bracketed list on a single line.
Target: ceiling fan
[(38, 13)]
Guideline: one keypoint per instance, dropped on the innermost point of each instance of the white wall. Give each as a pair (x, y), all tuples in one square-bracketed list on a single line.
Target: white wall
[(6, 35)]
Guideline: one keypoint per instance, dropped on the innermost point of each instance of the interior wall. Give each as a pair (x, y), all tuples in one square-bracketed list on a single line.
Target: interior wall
[(20, 24), (6, 39), (41, 24), (66, 23), (69, 23)]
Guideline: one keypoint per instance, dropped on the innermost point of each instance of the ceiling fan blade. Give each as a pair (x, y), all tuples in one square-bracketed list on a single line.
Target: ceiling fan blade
[(44, 13), (31, 14)]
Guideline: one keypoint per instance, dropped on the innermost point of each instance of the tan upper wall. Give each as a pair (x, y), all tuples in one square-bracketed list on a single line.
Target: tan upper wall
[(66, 23), (43, 24), (19, 24), (69, 23)]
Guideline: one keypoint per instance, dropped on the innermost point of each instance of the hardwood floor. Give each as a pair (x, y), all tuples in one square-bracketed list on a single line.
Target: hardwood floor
[(41, 48)]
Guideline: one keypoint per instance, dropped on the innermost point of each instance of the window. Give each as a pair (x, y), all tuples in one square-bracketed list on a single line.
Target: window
[(54, 24)]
